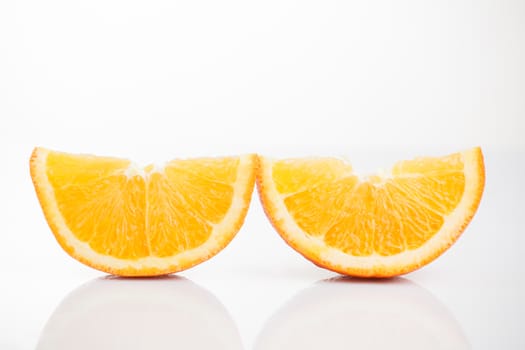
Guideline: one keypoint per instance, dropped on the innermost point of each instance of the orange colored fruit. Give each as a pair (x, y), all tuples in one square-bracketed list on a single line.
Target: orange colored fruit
[(122, 219), (376, 226)]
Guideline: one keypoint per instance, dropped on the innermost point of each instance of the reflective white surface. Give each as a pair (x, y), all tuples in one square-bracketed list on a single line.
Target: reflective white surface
[(339, 312), (259, 294), (163, 313)]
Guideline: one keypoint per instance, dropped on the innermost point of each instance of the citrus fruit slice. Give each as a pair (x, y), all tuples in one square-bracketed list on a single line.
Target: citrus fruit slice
[(122, 219), (375, 226)]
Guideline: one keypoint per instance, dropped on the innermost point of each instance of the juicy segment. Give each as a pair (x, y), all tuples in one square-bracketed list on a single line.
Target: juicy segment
[(375, 216), (129, 215)]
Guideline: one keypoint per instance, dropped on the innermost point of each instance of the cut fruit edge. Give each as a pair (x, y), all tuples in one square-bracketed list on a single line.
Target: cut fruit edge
[(315, 250), (221, 235)]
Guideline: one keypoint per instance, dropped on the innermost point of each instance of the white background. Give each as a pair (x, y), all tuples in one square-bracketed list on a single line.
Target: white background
[(370, 80)]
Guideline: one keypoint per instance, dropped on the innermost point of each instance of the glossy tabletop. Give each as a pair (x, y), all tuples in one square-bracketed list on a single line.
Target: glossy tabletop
[(260, 294)]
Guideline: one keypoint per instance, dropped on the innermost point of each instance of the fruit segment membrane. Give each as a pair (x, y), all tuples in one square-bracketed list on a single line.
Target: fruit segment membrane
[(132, 213), (382, 215)]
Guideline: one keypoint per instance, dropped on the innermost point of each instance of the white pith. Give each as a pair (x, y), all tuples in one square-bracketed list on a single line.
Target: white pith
[(316, 248), (134, 170), (220, 235)]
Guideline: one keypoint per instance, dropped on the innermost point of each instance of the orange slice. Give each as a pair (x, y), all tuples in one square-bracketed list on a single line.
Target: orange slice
[(376, 226), (122, 219)]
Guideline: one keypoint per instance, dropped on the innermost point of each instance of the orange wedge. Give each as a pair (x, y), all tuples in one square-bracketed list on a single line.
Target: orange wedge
[(376, 226), (122, 219)]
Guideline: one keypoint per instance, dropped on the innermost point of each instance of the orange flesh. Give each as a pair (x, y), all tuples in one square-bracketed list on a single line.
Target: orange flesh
[(383, 216), (132, 217)]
